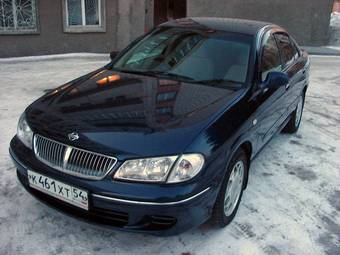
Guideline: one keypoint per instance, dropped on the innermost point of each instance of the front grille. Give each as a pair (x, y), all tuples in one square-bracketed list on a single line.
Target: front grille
[(72, 160)]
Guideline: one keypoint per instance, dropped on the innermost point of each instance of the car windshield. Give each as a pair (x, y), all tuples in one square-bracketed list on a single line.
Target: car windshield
[(209, 57)]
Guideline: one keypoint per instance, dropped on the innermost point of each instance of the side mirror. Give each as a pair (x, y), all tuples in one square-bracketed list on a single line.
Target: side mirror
[(275, 80), (113, 54)]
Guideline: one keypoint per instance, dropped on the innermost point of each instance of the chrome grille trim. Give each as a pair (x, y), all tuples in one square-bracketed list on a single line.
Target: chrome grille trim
[(72, 160)]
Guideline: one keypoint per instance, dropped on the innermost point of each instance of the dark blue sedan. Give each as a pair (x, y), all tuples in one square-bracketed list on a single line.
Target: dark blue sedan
[(160, 140)]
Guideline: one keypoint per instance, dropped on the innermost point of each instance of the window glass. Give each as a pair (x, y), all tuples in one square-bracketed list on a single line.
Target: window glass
[(287, 50), (270, 59), (296, 54), (74, 12), (18, 15), (213, 56), (164, 110), (92, 12), (166, 96), (83, 12)]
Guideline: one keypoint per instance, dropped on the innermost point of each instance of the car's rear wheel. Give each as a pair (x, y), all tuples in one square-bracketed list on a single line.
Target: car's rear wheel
[(231, 191), (295, 120)]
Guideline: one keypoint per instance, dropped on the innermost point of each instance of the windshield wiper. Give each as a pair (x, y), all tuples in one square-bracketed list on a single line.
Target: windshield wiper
[(218, 82), (133, 71), (156, 73), (177, 76)]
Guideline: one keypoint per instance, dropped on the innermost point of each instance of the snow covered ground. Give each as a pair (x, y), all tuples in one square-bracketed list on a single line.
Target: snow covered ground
[(291, 205)]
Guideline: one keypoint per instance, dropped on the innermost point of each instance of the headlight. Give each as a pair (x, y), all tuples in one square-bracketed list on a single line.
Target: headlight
[(150, 169), (158, 169), (24, 132)]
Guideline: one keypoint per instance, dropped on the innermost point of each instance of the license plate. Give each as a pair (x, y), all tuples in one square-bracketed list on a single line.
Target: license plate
[(57, 189)]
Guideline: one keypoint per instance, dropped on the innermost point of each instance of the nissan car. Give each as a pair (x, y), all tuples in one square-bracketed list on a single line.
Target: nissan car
[(161, 139)]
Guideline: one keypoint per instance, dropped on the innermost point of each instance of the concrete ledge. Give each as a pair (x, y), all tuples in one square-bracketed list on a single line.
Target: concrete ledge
[(92, 56), (322, 50)]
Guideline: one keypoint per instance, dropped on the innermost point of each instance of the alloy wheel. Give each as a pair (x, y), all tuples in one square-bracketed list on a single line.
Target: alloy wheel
[(234, 188), (298, 113)]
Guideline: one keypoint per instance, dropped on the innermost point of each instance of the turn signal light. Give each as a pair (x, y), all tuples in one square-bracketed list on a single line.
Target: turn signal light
[(108, 79)]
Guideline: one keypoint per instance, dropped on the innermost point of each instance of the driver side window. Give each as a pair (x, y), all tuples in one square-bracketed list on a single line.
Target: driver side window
[(270, 58)]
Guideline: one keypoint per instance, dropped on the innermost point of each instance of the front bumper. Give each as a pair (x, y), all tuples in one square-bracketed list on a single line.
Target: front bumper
[(158, 213)]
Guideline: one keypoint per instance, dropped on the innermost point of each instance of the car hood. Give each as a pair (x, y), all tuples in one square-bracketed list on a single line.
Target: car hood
[(128, 115)]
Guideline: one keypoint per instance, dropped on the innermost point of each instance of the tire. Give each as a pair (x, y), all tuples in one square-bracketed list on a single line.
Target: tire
[(294, 123), (220, 216)]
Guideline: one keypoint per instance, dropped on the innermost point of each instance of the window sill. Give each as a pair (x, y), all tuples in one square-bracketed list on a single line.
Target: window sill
[(19, 32), (84, 29)]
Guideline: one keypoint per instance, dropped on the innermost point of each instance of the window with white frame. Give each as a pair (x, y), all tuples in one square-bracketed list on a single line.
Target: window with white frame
[(84, 16), (18, 16)]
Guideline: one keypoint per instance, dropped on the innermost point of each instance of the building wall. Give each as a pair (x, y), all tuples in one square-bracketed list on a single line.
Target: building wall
[(336, 6), (306, 20), (131, 21), (124, 21)]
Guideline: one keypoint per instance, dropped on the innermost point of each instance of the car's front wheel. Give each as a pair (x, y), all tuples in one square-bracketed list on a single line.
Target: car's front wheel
[(231, 191), (295, 120)]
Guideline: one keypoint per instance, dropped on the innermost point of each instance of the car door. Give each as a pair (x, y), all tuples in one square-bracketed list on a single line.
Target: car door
[(269, 100), (293, 66)]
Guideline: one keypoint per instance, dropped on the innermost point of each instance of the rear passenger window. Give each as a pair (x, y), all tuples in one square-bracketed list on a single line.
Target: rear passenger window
[(287, 50), (270, 58), (296, 49)]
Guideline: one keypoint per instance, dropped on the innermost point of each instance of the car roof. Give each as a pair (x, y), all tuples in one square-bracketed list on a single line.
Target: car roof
[(250, 27)]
